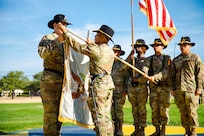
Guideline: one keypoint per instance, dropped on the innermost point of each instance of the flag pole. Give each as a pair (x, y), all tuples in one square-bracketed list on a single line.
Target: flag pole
[(124, 62), (132, 33)]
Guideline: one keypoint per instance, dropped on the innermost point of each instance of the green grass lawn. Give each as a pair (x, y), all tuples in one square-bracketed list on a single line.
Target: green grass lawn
[(173, 113), (17, 117)]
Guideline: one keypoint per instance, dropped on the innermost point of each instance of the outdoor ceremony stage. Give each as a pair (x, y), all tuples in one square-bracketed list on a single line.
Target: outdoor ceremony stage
[(127, 129)]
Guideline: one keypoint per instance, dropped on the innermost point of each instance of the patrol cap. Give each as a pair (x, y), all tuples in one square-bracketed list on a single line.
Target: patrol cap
[(58, 18), (106, 30), (186, 40), (158, 41), (140, 43), (118, 48)]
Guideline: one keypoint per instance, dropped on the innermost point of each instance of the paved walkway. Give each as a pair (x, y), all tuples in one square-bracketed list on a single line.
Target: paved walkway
[(20, 99)]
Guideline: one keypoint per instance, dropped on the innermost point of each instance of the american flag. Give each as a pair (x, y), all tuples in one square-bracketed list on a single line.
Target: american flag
[(159, 19)]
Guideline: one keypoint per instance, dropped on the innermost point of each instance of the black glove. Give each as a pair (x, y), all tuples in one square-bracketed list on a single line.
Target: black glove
[(135, 83)]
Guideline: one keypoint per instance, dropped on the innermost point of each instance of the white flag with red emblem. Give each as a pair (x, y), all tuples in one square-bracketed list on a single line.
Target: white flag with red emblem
[(73, 106), (159, 19)]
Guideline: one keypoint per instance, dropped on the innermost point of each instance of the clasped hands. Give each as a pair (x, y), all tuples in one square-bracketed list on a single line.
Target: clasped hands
[(63, 29)]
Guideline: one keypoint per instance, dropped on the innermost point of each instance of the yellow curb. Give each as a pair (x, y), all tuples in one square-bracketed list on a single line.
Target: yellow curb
[(128, 129)]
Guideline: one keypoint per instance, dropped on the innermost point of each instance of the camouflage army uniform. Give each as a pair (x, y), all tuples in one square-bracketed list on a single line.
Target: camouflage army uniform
[(137, 94), (186, 79), (158, 67), (101, 62), (202, 95), (51, 82), (118, 94)]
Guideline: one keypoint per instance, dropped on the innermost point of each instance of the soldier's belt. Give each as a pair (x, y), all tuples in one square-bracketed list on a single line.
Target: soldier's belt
[(53, 70), (93, 76)]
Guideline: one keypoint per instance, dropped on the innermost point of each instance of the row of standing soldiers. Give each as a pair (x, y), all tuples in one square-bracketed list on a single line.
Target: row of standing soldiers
[(185, 81), (181, 77)]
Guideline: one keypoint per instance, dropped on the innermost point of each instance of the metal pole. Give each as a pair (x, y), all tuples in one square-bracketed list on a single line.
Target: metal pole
[(132, 30), (134, 68), (124, 62), (175, 49)]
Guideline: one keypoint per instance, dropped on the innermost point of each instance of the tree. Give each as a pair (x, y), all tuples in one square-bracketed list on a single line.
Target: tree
[(14, 80), (34, 85)]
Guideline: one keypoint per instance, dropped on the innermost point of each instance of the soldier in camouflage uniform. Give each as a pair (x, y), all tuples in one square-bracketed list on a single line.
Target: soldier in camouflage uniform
[(101, 62), (137, 88), (51, 51), (157, 67), (202, 94), (119, 94), (186, 85)]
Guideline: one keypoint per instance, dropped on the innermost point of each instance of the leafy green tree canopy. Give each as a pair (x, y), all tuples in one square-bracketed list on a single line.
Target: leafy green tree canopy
[(14, 80)]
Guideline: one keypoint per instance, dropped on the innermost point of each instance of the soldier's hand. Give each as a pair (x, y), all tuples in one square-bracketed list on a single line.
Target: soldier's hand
[(146, 76), (131, 55), (135, 82), (134, 79), (124, 93), (88, 41), (132, 52), (151, 78), (173, 92), (198, 92), (62, 27)]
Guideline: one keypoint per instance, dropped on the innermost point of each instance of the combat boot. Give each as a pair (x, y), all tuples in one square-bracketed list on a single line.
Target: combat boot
[(119, 130), (193, 132), (136, 131), (59, 126), (163, 130), (157, 132), (115, 128), (141, 132), (188, 131)]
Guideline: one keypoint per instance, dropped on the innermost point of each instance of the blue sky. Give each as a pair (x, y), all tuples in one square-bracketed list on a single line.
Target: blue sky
[(24, 22)]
